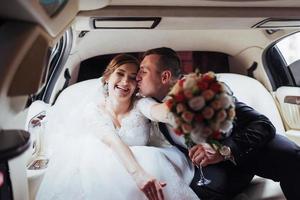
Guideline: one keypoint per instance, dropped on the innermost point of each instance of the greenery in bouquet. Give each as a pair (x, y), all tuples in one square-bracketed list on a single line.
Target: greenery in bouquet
[(203, 108)]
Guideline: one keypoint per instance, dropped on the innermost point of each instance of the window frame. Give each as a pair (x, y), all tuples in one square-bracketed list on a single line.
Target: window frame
[(280, 75)]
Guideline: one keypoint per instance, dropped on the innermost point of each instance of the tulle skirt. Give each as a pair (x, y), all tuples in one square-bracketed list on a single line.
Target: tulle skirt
[(83, 167)]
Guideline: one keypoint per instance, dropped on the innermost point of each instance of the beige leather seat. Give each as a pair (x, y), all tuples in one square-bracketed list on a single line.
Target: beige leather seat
[(253, 93)]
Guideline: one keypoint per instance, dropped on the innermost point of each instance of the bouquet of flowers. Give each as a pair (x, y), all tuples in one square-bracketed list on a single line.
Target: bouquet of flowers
[(203, 108)]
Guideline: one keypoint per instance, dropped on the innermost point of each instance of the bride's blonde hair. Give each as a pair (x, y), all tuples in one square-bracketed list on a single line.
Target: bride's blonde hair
[(116, 62)]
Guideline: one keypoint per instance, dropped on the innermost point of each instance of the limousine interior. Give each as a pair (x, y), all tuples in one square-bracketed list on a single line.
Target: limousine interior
[(49, 45)]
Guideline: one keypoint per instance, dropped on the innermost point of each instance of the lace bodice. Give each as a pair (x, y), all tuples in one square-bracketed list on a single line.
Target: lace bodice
[(135, 127)]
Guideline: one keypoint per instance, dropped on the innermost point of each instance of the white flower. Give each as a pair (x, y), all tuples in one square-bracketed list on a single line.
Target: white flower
[(175, 89), (197, 103), (225, 100), (226, 126), (197, 138), (216, 104), (197, 135), (207, 131), (231, 113), (189, 83)]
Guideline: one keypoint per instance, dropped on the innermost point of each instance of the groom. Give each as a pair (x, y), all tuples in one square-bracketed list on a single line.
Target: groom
[(253, 148)]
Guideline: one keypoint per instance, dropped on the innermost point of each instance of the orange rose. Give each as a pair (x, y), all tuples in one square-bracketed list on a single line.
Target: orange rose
[(231, 113), (216, 104), (208, 94)]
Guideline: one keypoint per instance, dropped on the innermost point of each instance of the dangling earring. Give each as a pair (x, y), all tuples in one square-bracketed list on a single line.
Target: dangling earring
[(105, 89)]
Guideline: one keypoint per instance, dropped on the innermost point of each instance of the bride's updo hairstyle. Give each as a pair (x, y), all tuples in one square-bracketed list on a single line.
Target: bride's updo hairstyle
[(116, 62)]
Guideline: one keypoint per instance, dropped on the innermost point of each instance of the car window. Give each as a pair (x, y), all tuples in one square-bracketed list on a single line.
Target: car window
[(289, 48), (57, 56), (282, 62)]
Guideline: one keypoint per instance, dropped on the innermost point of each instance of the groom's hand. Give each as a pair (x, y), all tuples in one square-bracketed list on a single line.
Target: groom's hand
[(203, 154)]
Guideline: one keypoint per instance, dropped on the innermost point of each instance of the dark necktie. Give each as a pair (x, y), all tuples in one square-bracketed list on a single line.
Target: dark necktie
[(164, 130)]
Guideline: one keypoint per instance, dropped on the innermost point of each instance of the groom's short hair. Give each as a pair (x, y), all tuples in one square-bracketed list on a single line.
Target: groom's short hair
[(169, 60)]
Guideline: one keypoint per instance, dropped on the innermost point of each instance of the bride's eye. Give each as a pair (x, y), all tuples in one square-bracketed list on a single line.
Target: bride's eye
[(133, 78), (120, 74)]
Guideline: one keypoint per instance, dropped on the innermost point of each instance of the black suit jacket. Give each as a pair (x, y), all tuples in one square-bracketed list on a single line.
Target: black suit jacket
[(251, 131)]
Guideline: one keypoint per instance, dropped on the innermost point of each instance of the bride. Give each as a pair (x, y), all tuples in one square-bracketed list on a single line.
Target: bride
[(99, 149)]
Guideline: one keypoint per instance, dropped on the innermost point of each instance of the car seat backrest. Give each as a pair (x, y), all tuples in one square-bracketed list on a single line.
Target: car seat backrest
[(254, 94)]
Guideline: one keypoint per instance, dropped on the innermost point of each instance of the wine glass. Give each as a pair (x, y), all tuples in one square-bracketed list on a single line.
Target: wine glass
[(202, 180)]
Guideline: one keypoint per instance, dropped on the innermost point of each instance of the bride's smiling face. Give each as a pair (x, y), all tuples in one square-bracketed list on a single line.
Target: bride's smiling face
[(122, 82)]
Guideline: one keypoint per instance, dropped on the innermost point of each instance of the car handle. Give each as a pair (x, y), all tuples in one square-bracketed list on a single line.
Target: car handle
[(292, 100)]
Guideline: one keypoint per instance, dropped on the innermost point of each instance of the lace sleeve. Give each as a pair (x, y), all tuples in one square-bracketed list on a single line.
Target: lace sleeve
[(157, 113), (144, 105)]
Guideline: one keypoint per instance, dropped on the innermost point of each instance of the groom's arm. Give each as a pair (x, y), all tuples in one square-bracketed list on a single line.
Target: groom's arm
[(251, 132)]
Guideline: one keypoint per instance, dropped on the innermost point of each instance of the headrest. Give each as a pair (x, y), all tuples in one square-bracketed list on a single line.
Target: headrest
[(254, 94)]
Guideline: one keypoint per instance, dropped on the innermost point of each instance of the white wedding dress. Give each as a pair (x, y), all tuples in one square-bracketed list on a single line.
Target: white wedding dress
[(82, 167)]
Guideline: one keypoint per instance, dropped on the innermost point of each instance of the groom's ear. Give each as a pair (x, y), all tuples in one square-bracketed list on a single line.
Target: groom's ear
[(166, 76)]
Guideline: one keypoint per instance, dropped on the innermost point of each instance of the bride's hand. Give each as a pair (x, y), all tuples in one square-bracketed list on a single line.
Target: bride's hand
[(150, 186)]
